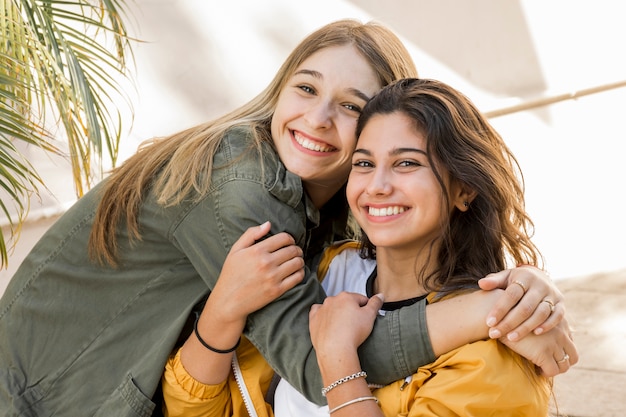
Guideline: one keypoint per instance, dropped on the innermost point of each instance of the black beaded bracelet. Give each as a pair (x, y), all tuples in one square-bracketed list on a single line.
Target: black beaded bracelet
[(206, 345)]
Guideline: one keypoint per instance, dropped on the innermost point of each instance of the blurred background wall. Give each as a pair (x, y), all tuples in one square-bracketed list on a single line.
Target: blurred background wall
[(201, 58)]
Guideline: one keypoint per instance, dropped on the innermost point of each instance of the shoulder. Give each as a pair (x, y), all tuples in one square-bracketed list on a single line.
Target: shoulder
[(239, 143), (338, 250), (490, 369), (238, 136), (241, 156), (487, 359), (471, 380)]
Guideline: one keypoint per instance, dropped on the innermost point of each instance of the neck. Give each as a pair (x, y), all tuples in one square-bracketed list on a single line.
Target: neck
[(399, 274), (320, 194)]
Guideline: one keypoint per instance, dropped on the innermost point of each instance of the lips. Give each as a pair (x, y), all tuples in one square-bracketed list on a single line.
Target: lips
[(312, 145)]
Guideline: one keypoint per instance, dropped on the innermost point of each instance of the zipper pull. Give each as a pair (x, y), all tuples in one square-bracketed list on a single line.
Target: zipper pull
[(406, 382)]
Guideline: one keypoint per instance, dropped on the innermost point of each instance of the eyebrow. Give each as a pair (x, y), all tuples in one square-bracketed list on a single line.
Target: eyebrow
[(396, 151), (316, 74)]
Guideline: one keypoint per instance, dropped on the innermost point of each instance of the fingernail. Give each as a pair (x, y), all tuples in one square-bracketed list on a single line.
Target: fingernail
[(513, 336), (494, 333), (491, 321), (538, 331), (381, 296)]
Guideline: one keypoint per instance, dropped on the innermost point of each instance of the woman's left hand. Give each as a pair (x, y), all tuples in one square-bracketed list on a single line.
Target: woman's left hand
[(342, 322), (531, 303), (553, 352)]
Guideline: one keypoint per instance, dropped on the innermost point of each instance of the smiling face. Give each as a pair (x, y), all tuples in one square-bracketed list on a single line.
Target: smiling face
[(392, 190), (314, 123)]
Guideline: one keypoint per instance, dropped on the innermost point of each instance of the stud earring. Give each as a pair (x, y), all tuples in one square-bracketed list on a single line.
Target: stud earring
[(466, 204)]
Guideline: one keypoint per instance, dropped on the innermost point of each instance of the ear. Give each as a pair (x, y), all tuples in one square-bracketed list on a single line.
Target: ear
[(462, 196)]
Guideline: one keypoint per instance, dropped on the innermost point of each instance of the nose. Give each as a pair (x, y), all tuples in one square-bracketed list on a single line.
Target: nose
[(319, 115), (380, 182)]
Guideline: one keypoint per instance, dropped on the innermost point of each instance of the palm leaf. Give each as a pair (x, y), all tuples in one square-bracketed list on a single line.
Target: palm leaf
[(61, 64)]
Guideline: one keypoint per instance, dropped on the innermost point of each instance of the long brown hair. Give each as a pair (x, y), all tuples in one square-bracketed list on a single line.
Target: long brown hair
[(181, 163), (495, 230)]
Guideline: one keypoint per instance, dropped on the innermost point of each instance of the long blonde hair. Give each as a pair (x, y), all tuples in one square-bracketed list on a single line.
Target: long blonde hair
[(181, 163)]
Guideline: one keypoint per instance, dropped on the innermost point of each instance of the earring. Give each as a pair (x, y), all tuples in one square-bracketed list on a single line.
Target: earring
[(466, 204)]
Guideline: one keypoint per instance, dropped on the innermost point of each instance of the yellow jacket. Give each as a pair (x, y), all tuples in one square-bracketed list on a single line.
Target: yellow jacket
[(184, 396), (484, 378)]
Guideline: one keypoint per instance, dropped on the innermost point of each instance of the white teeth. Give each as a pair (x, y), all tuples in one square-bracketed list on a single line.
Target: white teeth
[(305, 143), (386, 211)]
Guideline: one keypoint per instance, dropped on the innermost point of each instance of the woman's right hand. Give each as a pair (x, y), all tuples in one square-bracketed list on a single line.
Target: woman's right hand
[(256, 272)]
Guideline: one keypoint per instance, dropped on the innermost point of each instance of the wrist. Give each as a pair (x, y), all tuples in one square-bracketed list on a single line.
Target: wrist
[(217, 313), (459, 320), (476, 307), (345, 379), (210, 347), (347, 396), (484, 302), (220, 333), (336, 366)]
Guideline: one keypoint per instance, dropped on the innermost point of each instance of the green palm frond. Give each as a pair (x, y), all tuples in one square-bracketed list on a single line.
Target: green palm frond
[(61, 64)]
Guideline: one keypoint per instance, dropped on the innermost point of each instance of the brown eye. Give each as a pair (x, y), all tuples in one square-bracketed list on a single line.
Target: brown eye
[(353, 107), (362, 164), (307, 89)]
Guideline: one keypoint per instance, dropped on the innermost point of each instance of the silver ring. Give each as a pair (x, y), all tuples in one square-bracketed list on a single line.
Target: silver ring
[(565, 358), (550, 303), (521, 284)]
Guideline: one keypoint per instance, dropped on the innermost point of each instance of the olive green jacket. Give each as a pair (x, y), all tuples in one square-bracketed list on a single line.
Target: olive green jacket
[(77, 339)]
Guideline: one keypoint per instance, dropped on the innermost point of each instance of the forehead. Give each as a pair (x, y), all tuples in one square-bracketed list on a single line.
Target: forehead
[(386, 132), (342, 65)]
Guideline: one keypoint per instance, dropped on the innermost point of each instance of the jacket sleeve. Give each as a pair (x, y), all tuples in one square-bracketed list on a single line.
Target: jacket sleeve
[(184, 396), (398, 345), (280, 331), (478, 377)]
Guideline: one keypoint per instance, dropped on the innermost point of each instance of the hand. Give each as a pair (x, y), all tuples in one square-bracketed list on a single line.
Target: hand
[(552, 352), (256, 273), (342, 322), (527, 304), (338, 327)]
